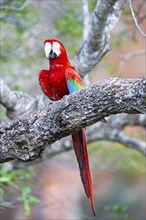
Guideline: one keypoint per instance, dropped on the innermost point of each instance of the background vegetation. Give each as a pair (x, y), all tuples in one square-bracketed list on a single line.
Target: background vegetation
[(54, 187)]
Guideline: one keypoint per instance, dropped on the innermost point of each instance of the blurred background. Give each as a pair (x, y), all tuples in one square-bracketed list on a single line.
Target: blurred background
[(52, 189)]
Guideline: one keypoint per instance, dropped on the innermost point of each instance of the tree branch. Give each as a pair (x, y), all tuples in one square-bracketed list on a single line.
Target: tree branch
[(110, 131), (26, 138), (20, 23), (97, 132), (12, 8), (16, 103), (105, 17), (135, 20)]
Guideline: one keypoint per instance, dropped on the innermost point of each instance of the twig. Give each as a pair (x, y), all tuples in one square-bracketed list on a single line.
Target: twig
[(12, 8), (135, 20), (131, 54)]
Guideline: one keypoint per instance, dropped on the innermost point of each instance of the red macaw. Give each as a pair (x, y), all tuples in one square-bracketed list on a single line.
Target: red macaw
[(62, 79)]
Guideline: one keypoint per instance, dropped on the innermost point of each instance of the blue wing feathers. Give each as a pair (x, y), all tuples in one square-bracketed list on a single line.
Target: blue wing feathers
[(72, 86), (73, 80)]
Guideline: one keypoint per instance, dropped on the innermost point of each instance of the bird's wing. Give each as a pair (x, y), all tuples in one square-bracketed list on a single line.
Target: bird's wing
[(73, 80), (45, 84)]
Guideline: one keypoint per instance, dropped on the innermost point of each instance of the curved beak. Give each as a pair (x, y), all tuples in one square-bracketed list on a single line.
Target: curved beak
[(52, 54)]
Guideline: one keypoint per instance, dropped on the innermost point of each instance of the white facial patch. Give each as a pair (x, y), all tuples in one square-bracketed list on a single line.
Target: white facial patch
[(56, 48), (47, 49)]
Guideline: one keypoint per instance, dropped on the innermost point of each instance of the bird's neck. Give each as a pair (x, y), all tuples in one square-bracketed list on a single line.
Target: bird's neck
[(59, 63)]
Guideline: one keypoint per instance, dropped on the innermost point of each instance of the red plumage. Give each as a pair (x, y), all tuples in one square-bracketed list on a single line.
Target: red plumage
[(80, 147), (54, 84)]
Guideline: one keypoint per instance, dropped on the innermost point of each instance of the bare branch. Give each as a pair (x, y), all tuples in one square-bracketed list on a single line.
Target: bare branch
[(105, 17), (121, 137), (85, 10), (12, 8), (131, 55), (19, 23), (16, 103), (135, 20), (3, 2), (97, 132), (26, 138), (113, 131), (7, 96), (110, 131)]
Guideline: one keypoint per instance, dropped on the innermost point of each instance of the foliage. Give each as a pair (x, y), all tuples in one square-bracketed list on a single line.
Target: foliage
[(17, 22), (117, 212), (69, 26), (92, 4), (119, 157), (75, 21), (124, 171), (27, 199), (2, 113), (14, 187), (22, 57)]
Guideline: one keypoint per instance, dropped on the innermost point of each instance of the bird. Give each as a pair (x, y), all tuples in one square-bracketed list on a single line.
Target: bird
[(59, 80)]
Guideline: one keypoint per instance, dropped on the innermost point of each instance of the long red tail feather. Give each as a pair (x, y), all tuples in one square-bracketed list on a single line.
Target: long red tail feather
[(80, 147)]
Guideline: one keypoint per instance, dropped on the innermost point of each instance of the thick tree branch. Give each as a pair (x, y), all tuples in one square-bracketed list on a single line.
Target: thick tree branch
[(105, 17), (26, 138), (97, 132), (110, 131)]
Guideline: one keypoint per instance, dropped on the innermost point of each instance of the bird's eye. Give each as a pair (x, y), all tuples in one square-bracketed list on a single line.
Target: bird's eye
[(47, 49)]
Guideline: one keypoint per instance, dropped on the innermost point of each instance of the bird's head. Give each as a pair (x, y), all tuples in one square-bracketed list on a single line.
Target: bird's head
[(54, 49)]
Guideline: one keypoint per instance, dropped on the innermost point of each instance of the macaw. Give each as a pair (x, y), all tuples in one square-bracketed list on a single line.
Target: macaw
[(59, 80)]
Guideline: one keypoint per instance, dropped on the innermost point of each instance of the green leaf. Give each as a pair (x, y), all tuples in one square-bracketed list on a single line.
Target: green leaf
[(119, 208), (33, 199), (27, 199), (27, 208), (3, 170), (5, 179), (25, 191)]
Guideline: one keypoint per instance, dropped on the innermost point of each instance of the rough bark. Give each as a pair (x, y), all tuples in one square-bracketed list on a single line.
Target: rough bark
[(110, 131), (26, 138)]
